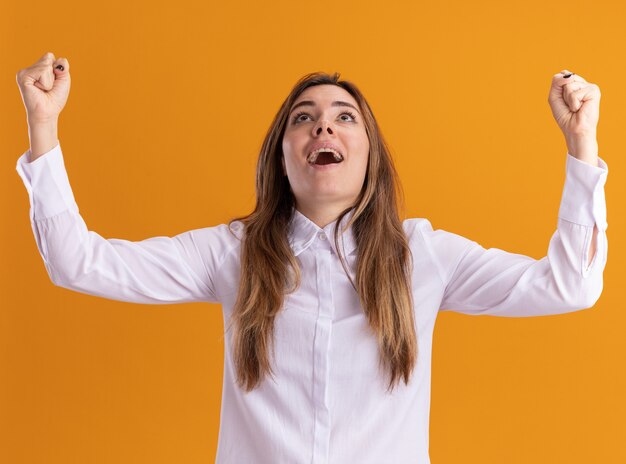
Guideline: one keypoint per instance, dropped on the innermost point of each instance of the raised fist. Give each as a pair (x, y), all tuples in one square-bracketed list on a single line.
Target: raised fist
[(575, 104), (45, 87)]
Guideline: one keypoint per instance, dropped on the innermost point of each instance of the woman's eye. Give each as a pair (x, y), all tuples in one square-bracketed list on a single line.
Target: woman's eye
[(297, 117), (349, 114)]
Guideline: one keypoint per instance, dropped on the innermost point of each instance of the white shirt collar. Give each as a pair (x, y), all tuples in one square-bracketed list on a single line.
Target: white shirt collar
[(303, 232)]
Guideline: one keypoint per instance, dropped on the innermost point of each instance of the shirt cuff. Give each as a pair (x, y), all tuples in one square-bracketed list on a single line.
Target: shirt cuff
[(47, 184), (583, 201)]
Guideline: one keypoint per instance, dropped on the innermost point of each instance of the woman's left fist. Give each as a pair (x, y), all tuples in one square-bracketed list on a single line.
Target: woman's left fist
[(575, 104)]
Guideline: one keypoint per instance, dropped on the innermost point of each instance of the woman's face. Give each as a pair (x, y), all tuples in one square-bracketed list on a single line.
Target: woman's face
[(325, 114)]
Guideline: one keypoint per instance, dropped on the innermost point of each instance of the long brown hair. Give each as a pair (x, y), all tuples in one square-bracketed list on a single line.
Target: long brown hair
[(383, 258)]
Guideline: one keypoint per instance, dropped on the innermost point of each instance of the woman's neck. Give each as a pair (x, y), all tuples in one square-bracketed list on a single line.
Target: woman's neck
[(321, 216)]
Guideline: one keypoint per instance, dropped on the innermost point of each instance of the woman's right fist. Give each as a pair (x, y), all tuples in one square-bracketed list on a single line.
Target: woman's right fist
[(45, 87)]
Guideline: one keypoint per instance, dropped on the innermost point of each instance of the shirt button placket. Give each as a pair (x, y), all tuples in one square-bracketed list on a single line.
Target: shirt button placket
[(323, 331)]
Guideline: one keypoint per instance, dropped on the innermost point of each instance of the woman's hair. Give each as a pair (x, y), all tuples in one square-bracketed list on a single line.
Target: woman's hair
[(269, 269)]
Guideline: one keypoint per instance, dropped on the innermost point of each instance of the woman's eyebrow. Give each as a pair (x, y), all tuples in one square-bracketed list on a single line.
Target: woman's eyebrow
[(312, 103)]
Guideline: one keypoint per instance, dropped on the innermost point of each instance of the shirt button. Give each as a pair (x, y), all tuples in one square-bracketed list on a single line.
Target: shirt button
[(322, 236)]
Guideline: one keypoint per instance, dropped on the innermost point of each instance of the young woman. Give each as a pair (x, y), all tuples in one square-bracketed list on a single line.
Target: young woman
[(329, 298)]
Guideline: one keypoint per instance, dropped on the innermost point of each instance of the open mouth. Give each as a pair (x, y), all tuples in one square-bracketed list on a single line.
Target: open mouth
[(324, 156)]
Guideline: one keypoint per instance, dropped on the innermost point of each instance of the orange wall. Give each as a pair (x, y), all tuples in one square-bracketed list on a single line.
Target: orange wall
[(168, 108)]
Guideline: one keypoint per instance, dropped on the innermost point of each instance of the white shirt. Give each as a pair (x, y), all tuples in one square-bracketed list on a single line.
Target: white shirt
[(328, 402)]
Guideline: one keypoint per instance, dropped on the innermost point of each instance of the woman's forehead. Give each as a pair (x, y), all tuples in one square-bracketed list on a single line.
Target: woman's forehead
[(325, 92), (325, 95)]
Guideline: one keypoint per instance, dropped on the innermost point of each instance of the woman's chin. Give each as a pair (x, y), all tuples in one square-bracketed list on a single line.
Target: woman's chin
[(327, 193)]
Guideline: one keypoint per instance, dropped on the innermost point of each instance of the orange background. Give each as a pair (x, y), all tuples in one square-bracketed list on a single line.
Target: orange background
[(168, 108)]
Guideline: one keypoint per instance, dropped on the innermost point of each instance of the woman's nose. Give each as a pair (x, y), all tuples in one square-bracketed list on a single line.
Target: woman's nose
[(324, 125)]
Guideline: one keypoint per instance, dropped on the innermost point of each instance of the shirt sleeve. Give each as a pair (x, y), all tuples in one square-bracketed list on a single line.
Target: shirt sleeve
[(157, 270), (491, 281)]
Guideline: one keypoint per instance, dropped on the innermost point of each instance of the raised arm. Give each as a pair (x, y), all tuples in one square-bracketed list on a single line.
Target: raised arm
[(570, 277), (158, 270)]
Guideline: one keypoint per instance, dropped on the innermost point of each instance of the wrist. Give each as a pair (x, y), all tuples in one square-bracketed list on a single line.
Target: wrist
[(583, 147), (38, 123), (43, 138)]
